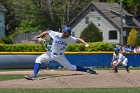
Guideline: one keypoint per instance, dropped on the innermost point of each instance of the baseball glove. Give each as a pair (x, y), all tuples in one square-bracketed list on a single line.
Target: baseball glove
[(41, 40)]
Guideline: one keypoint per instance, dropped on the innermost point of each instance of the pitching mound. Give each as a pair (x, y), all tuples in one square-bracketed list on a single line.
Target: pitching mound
[(74, 79)]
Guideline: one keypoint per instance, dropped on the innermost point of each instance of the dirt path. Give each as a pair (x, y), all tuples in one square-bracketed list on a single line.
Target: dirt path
[(73, 79)]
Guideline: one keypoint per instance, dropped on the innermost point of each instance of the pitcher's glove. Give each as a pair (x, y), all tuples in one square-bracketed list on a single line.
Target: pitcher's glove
[(41, 40)]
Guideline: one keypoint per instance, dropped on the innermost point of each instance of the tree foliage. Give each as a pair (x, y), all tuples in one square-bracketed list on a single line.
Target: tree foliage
[(64, 9), (137, 41), (132, 6), (91, 34), (132, 37), (32, 15)]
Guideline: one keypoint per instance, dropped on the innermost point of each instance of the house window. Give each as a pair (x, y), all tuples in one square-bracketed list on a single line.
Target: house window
[(87, 20), (73, 34), (98, 19), (92, 10), (112, 34), (128, 20)]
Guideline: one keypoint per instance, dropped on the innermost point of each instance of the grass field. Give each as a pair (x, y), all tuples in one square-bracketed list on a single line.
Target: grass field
[(85, 90)]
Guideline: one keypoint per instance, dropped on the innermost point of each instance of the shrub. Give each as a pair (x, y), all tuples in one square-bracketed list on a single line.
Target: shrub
[(94, 36), (1, 41), (132, 37), (75, 48), (22, 48), (100, 46), (78, 47)]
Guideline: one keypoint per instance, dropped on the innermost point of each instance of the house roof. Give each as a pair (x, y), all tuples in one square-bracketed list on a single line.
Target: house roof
[(109, 10), (2, 8)]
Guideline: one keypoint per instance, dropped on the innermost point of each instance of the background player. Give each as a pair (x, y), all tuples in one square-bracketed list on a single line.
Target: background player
[(59, 45), (119, 58)]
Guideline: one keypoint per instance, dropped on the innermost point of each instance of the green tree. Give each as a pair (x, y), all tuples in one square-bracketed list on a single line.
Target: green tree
[(137, 41), (91, 33), (65, 10), (132, 6), (132, 37)]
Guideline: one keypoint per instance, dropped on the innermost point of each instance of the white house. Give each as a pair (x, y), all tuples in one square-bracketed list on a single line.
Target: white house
[(2, 20), (107, 18)]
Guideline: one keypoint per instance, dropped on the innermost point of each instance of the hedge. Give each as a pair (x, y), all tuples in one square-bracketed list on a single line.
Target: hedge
[(77, 47)]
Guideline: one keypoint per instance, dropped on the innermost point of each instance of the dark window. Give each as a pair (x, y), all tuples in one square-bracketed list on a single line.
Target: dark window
[(98, 19), (92, 10), (73, 34), (112, 34), (129, 20), (87, 20)]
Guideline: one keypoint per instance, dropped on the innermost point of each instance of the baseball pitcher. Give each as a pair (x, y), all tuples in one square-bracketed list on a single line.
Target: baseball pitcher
[(59, 45)]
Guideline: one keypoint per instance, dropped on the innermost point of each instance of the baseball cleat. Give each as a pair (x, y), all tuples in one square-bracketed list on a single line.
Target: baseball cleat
[(91, 71), (30, 77), (115, 71), (128, 71)]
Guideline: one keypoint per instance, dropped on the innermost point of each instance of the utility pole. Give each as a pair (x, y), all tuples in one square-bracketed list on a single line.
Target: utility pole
[(121, 30)]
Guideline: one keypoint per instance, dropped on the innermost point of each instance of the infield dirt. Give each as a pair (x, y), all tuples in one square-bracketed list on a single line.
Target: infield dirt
[(74, 79)]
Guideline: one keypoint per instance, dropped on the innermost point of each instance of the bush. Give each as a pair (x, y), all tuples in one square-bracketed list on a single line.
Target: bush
[(7, 40), (94, 36), (78, 47), (22, 48), (132, 37), (1, 41), (100, 46)]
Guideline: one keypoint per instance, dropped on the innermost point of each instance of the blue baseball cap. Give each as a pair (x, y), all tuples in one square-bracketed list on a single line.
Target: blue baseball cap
[(116, 49), (67, 30)]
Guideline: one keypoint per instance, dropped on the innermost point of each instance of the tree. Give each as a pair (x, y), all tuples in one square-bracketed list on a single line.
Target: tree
[(18, 12), (91, 34), (63, 9), (132, 37), (132, 6)]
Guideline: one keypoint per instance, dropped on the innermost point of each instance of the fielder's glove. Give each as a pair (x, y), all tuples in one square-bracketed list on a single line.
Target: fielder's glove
[(41, 40)]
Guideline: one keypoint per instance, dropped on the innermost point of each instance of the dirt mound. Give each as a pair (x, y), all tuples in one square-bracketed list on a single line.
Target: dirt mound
[(74, 79)]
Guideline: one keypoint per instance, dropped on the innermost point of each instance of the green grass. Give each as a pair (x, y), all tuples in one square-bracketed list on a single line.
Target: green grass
[(10, 77), (16, 76), (73, 90)]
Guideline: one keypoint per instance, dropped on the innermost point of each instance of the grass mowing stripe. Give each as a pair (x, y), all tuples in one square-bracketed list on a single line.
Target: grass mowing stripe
[(16, 76), (10, 77), (73, 90)]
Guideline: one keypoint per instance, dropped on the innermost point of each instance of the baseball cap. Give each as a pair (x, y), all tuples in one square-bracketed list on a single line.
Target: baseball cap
[(67, 30), (116, 49)]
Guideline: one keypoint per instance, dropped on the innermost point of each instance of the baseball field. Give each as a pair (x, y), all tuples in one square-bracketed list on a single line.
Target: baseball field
[(63, 81)]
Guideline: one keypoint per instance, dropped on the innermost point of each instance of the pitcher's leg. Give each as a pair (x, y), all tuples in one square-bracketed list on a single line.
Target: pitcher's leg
[(64, 62), (37, 65), (36, 69)]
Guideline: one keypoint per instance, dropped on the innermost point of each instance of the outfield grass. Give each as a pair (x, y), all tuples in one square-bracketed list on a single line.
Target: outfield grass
[(73, 90), (17, 76), (10, 77)]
